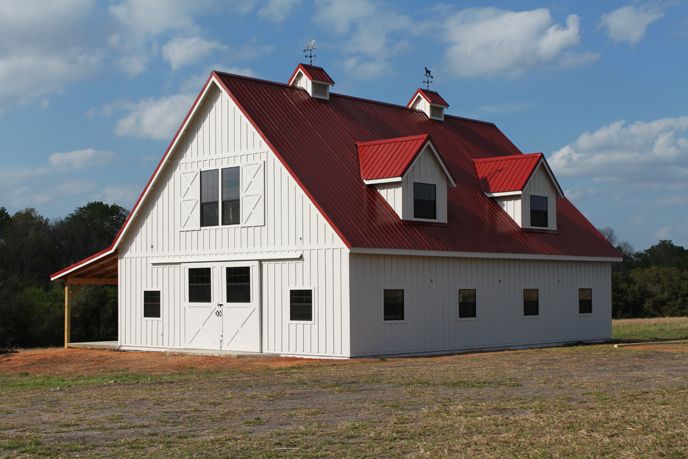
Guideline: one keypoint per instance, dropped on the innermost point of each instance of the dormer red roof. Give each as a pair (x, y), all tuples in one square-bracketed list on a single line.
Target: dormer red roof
[(502, 174), (391, 158), (313, 72), (431, 96)]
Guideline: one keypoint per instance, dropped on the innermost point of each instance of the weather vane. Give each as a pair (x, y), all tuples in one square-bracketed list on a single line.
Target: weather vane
[(428, 78), (308, 51)]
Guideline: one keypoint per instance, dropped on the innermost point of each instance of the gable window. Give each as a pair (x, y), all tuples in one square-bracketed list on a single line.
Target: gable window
[(301, 305), (209, 198), (199, 285), (151, 304), (231, 203), (531, 303), (394, 304), (538, 211), (238, 286), (467, 303), (424, 201), (585, 301)]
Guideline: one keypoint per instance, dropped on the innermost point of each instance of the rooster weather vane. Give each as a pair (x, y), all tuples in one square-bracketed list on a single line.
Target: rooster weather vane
[(428, 78), (308, 52)]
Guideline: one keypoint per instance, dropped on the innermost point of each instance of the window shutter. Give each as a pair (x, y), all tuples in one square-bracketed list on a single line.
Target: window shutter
[(253, 194), (189, 201)]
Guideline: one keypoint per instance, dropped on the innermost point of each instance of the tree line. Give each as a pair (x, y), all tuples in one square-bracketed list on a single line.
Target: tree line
[(649, 283), (31, 248)]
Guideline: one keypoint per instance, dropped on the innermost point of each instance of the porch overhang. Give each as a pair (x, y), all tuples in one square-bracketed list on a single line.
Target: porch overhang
[(98, 269)]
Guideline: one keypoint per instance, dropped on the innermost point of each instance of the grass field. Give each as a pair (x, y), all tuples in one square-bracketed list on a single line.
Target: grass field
[(666, 328), (568, 401)]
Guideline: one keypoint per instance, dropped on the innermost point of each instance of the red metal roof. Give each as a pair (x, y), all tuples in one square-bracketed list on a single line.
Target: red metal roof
[(506, 173), (431, 96), (326, 166), (316, 142), (313, 72), (388, 158)]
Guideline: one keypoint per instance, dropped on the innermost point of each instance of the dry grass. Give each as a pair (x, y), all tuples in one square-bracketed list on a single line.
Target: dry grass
[(571, 401)]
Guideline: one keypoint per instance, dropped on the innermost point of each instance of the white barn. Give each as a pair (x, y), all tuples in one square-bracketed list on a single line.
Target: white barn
[(287, 219)]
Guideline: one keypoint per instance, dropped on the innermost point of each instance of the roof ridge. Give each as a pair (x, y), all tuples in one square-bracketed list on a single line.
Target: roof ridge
[(348, 96)]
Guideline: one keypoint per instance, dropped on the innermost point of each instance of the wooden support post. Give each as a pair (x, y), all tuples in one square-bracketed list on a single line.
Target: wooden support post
[(67, 314)]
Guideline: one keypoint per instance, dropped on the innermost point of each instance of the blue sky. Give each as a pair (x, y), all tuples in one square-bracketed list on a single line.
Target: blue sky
[(91, 92)]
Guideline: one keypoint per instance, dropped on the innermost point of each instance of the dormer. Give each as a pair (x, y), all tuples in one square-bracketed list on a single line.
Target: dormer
[(314, 80), (428, 102), (410, 175), (524, 186)]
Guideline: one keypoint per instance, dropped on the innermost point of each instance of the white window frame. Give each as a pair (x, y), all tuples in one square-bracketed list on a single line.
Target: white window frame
[(219, 197), (288, 303), (521, 305), (382, 309), (413, 202), (458, 300), (592, 301), (143, 302)]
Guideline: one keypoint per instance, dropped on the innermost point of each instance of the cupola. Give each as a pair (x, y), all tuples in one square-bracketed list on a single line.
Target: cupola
[(313, 79), (428, 102)]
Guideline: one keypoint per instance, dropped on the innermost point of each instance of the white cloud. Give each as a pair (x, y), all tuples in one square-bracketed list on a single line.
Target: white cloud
[(124, 195), (655, 151), (629, 23), (491, 41), (79, 159), (152, 17), (278, 10), (664, 232), (341, 15), (373, 33), (184, 51), (39, 52), (155, 118)]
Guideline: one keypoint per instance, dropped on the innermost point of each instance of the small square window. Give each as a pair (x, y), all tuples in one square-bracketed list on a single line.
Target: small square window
[(151, 304), (467, 303), (585, 301), (531, 303), (199, 285), (394, 304), (538, 211), (424, 201), (301, 305)]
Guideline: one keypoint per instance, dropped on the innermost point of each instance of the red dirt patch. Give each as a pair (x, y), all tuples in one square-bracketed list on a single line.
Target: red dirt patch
[(64, 362)]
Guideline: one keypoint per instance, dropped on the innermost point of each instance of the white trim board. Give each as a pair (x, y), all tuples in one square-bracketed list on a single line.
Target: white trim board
[(293, 255), (490, 255)]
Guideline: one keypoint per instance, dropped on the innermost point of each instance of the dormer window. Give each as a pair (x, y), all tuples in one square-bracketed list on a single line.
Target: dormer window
[(428, 102), (409, 173), (424, 201), (524, 186), (314, 80), (538, 211)]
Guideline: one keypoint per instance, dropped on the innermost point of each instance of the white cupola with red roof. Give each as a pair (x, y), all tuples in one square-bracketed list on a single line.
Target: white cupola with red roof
[(428, 102), (313, 79)]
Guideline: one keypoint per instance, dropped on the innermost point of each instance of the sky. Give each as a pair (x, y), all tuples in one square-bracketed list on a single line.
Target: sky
[(92, 92)]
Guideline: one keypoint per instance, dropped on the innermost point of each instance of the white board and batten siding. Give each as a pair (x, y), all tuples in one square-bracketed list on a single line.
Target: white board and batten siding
[(431, 322), (281, 229)]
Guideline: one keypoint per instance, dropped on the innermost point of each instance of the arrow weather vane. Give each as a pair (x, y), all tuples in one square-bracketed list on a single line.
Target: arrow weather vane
[(428, 78)]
